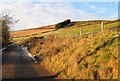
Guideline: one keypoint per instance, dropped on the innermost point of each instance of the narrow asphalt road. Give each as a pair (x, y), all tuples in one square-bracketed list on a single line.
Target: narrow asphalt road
[(16, 65)]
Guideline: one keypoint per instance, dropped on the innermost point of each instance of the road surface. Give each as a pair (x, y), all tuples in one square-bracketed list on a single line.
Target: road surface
[(17, 65)]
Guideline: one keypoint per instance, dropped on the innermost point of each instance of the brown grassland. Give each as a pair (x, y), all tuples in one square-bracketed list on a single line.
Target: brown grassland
[(29, 32)]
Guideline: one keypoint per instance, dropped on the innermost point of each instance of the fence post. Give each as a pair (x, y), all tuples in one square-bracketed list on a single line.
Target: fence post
[(80, 31), (102, 26)]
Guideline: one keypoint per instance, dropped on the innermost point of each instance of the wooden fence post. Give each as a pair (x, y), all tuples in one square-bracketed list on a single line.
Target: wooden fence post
[(80, 31), (102, 26)]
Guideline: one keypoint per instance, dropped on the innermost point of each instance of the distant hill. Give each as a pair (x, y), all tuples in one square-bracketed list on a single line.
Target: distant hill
[(28, 32), (44, 29)]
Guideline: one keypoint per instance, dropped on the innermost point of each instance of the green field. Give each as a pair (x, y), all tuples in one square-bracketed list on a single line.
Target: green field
[(75, 30)]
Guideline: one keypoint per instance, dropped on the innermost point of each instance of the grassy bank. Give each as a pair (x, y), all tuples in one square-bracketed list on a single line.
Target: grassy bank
[(75, 56), (87, 57), (83, 57)]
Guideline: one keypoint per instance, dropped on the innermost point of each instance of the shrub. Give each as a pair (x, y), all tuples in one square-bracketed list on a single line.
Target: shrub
[(62, 24)]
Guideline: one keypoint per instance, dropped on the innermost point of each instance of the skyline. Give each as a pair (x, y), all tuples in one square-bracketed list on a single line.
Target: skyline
[(35, 14)]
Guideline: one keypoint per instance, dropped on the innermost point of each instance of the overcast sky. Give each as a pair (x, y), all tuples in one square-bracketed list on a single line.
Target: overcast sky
[(33, 13)]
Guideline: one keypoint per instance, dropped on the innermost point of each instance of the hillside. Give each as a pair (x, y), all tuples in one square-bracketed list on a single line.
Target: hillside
[(86, 26), (35, 31), (98, 60), (73, 56), (29, 32)]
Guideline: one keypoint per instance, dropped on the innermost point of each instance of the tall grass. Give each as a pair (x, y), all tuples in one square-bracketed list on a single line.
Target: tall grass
[(87, 58), (93, 56)]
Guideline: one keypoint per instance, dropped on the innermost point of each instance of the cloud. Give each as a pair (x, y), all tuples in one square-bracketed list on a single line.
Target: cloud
[(43, 13), (93, 7), (76, 0), (98, 10)]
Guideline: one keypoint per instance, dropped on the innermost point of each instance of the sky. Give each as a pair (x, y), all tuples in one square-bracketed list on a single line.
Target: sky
[(36, 13)]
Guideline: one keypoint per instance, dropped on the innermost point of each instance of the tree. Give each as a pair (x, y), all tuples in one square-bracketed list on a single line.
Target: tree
[(6, 22)]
